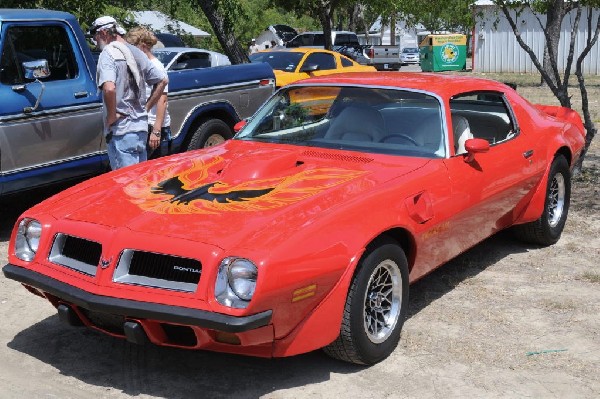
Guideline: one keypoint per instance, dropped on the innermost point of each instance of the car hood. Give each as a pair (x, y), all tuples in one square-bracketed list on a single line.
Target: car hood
[(225, 194)]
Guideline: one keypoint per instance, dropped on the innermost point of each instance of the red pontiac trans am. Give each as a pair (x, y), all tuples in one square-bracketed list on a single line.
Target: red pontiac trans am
[(306, 229)]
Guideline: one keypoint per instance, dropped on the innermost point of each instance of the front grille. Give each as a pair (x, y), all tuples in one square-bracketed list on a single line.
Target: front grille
[(76, 253), (158, 270), (165, 267)]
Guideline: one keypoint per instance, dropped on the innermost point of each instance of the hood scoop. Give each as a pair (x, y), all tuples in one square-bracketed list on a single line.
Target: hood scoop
[(262, 164)]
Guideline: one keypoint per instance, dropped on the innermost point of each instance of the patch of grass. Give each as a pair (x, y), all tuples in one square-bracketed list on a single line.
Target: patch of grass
[(590, 276), (590, 174), (559, 306)]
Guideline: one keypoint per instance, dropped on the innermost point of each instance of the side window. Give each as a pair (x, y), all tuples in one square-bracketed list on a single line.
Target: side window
[(318, 40), (24, 43), (345, 39), (346, 62), (193, 61), (303, 40), (485, 114), (323, 60)]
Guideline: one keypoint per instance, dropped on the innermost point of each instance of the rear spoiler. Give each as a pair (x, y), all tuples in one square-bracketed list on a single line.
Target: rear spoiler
[(563, 113)]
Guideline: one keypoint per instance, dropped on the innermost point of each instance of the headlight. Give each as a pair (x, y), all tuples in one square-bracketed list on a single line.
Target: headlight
[(236, 282), (27, 241)]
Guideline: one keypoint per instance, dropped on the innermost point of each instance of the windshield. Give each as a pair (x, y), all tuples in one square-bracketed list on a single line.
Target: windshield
[(165, 56), (280, 60), (367, 119), (410, 50)]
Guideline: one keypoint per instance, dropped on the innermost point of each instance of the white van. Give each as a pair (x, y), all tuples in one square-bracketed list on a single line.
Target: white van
[(317, 39)]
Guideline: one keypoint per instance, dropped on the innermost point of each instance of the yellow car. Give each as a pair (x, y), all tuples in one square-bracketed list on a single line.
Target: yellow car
[(292, 64)]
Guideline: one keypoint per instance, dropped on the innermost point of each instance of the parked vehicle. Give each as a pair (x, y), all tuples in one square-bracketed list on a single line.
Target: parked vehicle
[(409, 55), (306, 229), (344, 42), (179, 58), (50, 113), (293, 64), (384, 57)]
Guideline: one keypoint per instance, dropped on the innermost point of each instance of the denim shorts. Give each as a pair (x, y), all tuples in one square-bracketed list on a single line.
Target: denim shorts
[(127, 149)]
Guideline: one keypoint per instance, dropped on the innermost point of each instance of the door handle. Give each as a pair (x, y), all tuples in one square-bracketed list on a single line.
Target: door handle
[(80, 94), (528, 154)]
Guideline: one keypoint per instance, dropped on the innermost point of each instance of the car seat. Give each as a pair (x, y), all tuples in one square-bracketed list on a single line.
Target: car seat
[(357, 122), (462, 132)]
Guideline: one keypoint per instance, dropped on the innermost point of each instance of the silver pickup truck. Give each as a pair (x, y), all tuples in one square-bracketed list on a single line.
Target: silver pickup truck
[(384, 57), (50, 107)]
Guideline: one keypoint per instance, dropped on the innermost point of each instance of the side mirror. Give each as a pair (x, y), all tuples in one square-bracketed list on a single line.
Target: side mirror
[(309, 68), (475, 146), (238, 126), (37, 69)]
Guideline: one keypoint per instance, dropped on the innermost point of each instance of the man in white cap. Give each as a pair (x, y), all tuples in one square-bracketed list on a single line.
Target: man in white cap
[(253, 47), (121, 69)]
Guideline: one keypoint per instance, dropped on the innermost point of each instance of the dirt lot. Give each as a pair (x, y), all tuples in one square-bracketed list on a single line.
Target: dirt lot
[(502, 320)]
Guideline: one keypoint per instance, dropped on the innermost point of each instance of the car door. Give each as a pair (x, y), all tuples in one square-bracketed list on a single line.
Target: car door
[(61, 137), (489, 186)]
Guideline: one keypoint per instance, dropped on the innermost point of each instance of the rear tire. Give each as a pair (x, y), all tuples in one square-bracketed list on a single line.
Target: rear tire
[(548, 228), (375, 308), (210, 133)]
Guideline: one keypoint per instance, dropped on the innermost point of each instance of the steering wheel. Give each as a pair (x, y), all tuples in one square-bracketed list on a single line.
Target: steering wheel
[(401, 136)]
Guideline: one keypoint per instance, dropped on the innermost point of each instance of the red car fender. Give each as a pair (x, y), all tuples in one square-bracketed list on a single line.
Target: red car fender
[(563, 113), (322, 326), (533, 210)]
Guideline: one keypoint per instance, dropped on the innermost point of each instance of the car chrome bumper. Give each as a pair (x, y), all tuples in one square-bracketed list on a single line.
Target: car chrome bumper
[(137, 309)]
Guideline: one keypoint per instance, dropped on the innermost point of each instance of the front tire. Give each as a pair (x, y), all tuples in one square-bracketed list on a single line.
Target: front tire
[(209, 133), (548, 228), (375, 308)]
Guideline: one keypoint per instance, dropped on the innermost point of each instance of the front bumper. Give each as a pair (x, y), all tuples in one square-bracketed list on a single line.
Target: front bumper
[(137, 309)]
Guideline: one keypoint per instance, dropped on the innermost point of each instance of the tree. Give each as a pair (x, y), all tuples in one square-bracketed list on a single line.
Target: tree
[(321, 10), (555, 12), (221, 14), (85, 11)]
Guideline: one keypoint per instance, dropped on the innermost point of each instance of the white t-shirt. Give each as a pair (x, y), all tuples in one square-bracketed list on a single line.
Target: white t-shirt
[(152, 112)]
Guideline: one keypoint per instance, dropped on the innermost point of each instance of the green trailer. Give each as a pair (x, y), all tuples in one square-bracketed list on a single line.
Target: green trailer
[(443, 53)]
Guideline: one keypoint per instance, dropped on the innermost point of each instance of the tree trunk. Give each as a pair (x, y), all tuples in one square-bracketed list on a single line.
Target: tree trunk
[(393, 29), (325, 17), (223, 29)]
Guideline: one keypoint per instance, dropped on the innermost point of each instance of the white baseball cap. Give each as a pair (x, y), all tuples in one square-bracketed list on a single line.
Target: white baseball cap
[(121, 31), (102, 23)]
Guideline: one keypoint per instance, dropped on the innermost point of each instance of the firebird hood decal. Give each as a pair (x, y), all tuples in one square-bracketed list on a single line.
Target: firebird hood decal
[(193, 187), (174, 186)]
